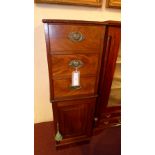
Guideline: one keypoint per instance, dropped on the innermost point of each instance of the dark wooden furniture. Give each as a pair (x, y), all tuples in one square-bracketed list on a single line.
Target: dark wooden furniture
[(78, 111), (108, 109)]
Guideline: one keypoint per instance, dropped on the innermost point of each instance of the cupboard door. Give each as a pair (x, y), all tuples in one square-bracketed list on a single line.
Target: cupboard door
[(75, 118), (112, 44)]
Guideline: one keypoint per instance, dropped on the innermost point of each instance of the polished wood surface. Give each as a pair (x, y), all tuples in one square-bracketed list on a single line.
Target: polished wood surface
[(61, 68), (108, 67), (75, 118), (59, 40), (83, 22), (76, 111), (62, 87), (110, 117), (62, 50)]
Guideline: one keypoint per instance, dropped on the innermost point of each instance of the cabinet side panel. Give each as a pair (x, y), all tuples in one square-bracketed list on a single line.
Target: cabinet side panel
[(46, 30)]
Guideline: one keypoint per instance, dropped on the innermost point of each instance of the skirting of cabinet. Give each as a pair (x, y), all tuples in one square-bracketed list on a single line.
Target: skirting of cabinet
[(72, 142)]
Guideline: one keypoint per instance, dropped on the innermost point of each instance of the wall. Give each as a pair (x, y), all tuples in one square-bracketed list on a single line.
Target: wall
[(42, 106)]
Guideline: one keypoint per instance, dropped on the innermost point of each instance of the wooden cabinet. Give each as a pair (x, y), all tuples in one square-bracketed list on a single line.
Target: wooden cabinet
[(94, 45), (108, 110)]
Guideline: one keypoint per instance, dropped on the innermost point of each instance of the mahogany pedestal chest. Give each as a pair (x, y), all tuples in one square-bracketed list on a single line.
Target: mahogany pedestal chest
[(91, 48)]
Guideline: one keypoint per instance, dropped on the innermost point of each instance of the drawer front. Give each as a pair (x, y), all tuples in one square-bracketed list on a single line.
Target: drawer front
[(62, 87), (112, 122), (61, 67), (111, 115), (75, 117), (75, 38)]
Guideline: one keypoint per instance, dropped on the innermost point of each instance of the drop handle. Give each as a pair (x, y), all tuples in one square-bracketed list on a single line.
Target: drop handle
[(76, 63), (75, 87), (76, 36)]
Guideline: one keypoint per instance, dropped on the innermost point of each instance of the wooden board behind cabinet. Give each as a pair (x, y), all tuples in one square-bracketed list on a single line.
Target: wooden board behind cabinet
[(92, 3)]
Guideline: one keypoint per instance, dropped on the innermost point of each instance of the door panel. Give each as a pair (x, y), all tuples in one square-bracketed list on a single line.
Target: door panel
[(108, 68), (75, 117)]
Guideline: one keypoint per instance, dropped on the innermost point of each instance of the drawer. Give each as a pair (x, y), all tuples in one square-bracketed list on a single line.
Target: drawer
[(75, 38), (111, 115), (112, 121), (62, 87), (111, 112), (116, 109), (61, 67)]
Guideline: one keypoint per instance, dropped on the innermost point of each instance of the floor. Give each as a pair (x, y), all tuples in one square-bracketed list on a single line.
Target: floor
[(108, 142)]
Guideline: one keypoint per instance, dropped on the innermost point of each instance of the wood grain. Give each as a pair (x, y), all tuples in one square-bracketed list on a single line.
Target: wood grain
[(62, 87), (59, 40), (75, 109), (61, 68), (111, 50), (75, 119)]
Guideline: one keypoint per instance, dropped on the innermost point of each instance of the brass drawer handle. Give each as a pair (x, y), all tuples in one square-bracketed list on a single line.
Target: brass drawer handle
[(76, 63), (76, 36), (75, 87)]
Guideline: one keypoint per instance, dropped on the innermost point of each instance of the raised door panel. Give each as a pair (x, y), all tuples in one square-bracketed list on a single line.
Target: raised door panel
[(75, 117)]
